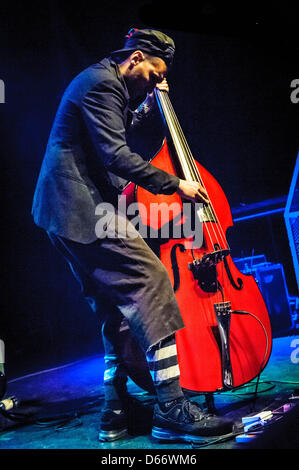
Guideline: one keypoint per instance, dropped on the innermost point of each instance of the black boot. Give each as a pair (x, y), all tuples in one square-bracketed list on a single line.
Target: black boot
[(183, 420), (123, 414), (132, 418), (113, 424)]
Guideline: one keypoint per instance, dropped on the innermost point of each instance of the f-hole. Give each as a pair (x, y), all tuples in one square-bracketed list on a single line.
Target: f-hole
[(238, 286)]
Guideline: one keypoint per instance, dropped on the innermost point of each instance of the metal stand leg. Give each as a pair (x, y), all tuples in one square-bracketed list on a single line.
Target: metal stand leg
[(210, 403)]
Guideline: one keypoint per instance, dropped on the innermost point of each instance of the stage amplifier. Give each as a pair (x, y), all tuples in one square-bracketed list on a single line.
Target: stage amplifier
[(271, 281), (272, 284)]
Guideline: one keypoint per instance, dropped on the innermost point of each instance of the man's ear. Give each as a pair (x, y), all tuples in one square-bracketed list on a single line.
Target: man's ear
[(137, 57)]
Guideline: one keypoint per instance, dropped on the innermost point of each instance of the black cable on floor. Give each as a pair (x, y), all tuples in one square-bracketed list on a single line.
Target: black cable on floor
[(63, 420)]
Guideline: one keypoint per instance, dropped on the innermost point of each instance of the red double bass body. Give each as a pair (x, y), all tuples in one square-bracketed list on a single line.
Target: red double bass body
[(227, 339)]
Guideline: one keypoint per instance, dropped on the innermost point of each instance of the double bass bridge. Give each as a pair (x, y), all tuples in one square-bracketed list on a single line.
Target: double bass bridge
[(204, 269)]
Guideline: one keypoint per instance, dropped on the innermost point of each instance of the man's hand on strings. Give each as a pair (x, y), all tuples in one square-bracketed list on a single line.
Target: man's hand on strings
[(192, 190), (150, 99), (163, 86)]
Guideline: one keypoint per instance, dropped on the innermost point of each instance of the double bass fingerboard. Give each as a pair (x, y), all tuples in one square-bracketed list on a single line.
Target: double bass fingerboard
[(183, 153)]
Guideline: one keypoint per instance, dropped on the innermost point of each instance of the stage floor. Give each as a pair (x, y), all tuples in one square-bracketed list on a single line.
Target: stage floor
[(73, 394)]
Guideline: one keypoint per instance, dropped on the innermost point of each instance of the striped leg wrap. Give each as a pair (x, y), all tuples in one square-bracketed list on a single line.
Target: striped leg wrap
[(164, 368)]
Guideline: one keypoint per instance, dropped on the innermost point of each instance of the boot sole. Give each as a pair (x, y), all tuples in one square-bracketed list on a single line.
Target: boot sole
[(167, 435), (114, 435)]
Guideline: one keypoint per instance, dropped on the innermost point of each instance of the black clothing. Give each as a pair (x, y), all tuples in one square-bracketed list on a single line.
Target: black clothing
[(123, 273), (88, 159)]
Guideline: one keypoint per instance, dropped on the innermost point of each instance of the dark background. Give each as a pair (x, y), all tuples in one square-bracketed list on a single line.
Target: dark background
[(230, 87)]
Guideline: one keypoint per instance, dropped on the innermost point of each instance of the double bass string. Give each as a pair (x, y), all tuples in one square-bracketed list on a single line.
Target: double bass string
[(185, 157), (194, 174), (189, 162), (193, 170)]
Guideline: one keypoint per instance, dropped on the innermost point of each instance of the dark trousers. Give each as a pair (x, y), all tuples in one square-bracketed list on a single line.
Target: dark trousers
[(121, 277)]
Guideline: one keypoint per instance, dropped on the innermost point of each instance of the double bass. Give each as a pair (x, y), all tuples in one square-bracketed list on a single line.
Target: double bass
[(227, 338)]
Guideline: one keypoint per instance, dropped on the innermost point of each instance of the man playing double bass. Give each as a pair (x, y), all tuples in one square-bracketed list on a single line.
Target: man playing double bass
[(88, 160)]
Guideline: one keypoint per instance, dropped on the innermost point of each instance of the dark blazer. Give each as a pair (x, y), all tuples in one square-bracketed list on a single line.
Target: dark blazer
[(88, 158)]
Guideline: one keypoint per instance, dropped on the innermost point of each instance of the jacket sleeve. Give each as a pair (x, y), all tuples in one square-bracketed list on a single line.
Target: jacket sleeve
[(103, 110)]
